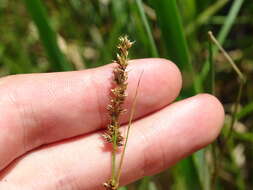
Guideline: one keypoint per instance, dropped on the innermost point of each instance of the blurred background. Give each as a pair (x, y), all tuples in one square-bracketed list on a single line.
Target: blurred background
[(45, 36)]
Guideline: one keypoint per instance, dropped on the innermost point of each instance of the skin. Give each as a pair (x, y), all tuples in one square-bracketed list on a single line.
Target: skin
[(51, 126)]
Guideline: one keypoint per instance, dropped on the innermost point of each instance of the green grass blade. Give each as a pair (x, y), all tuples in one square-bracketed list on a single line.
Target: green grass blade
[(185, 175), (199, 160), (205, 16), (172, 32), (226, 28), (152, 186), (237, 4), (201, 5), (202, 169), (119, 17), (152, 46), (144, 185), (173, 35), (245, 111), (47, 35), (123, 188), (188, 9), (245, 136)]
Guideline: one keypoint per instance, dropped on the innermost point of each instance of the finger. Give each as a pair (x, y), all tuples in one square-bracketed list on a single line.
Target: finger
[(41, 108), (156, 142)]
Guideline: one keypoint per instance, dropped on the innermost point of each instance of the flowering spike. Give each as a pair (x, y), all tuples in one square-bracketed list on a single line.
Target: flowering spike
[(119, 92), (115, 108)]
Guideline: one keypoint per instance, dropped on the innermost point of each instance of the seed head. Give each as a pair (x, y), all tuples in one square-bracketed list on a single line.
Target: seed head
[(118, 93)]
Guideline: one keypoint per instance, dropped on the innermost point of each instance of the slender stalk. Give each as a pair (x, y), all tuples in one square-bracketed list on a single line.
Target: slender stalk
[(242, 80), (133, 108), (211, 89), (114, 150), (211, 63), (230, 60), (211, 74), (216, 163), (234, 113)]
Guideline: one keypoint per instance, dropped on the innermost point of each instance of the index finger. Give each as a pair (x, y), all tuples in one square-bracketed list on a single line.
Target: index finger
[(38, 109)]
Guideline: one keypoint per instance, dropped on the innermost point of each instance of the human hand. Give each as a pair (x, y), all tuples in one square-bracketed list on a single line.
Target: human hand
[(66, 112)]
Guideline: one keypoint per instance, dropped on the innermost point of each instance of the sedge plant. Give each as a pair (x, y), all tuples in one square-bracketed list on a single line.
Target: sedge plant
[(118, 95)]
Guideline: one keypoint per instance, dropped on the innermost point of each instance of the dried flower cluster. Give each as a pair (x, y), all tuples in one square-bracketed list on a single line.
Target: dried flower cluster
[(115, 108), (118, 93)]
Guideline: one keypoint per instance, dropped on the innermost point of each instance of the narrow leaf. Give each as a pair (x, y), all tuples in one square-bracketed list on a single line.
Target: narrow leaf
[(47, 35)]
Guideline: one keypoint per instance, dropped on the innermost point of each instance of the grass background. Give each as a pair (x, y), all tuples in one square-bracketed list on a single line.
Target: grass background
[(45, 36)]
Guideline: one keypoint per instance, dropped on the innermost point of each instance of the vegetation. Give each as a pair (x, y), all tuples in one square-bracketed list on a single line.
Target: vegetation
[(45, 36)]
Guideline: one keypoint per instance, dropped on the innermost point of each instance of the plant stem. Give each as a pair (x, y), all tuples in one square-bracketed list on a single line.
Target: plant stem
[(233, 120), (230, 60), (112, 134), (241, 77), (133, 108), (212, 68), (114, 150)]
